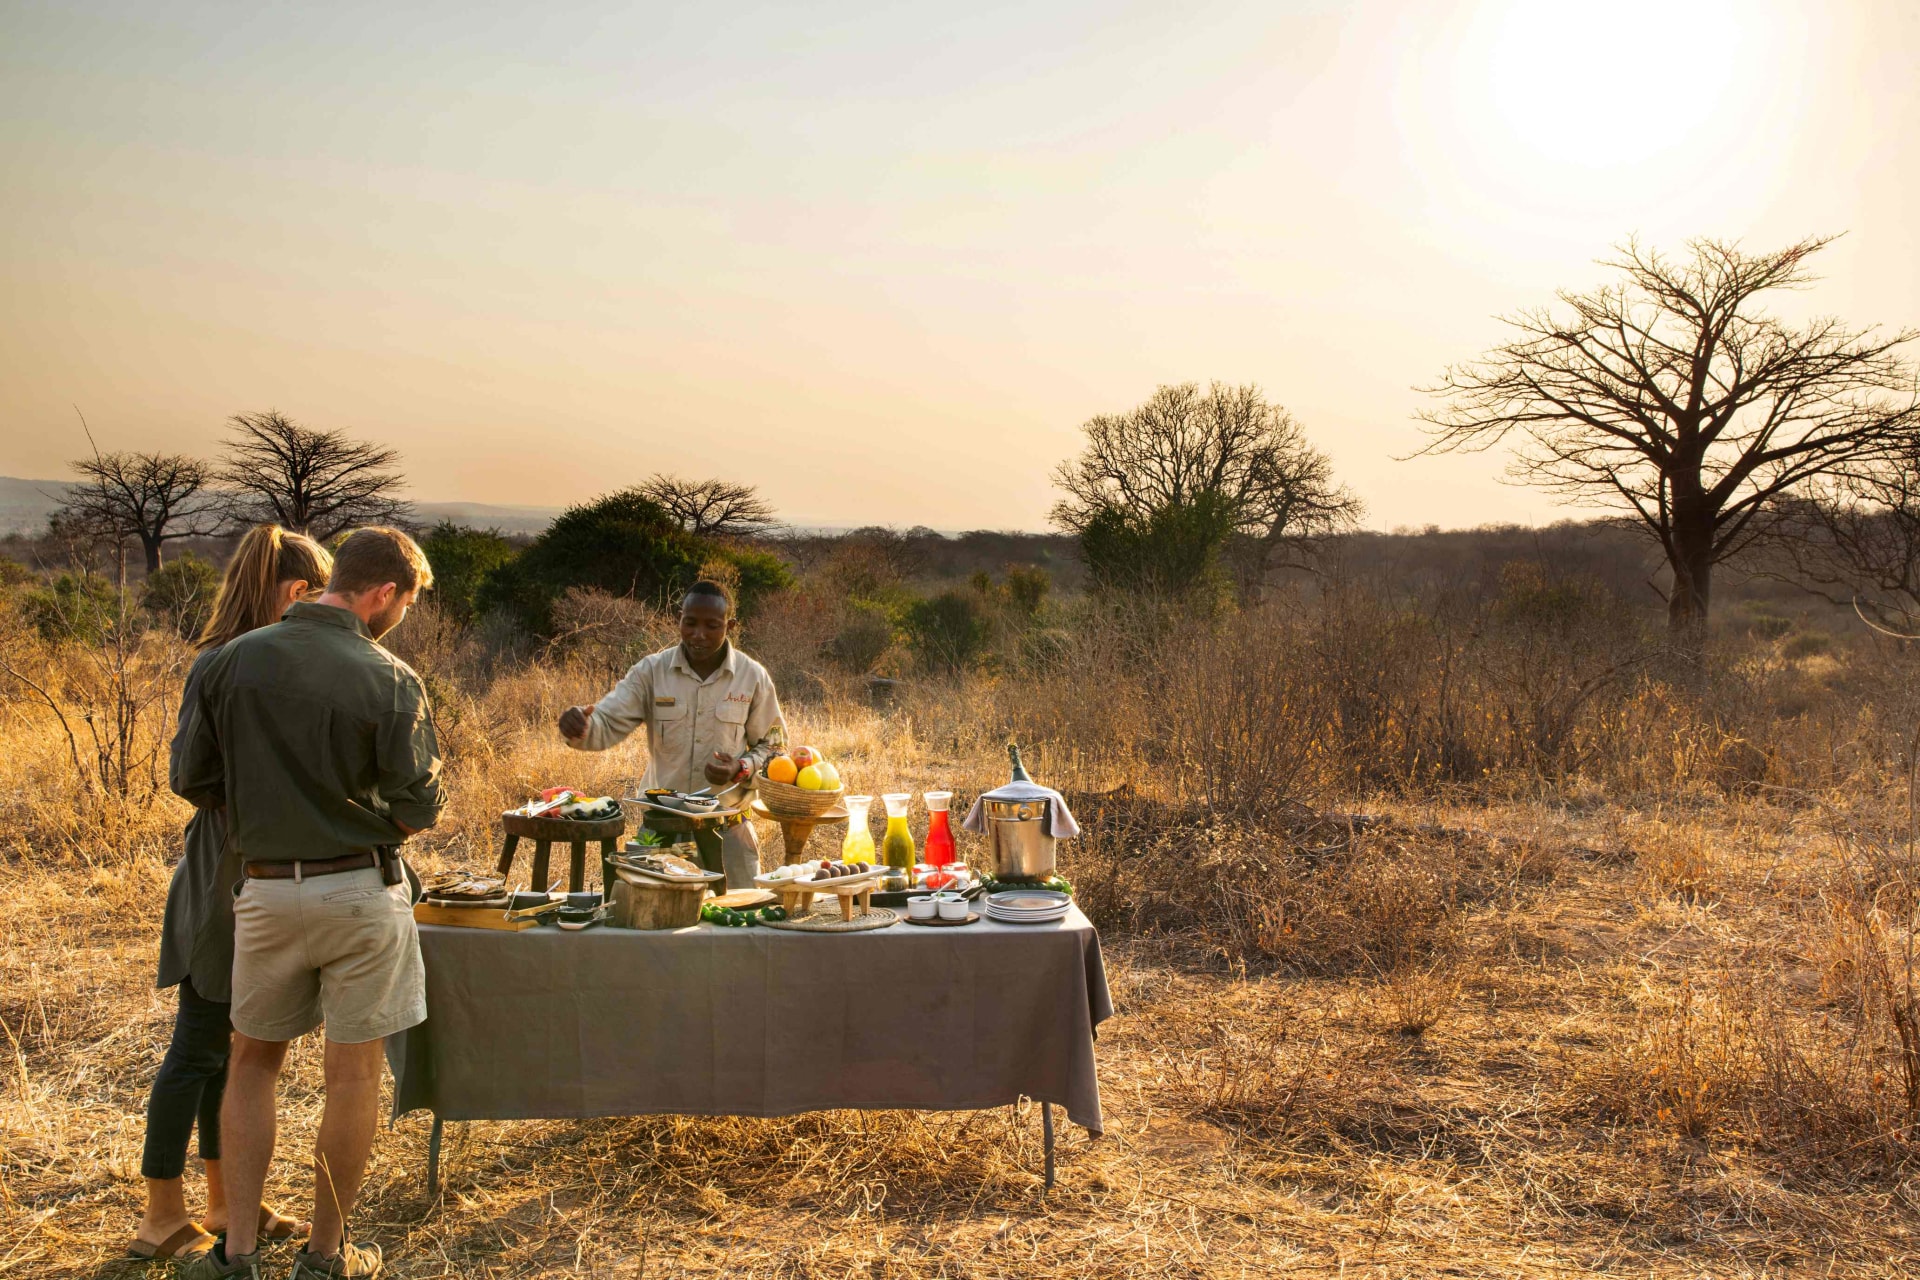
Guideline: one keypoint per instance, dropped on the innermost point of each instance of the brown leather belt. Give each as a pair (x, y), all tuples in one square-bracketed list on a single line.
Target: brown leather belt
[(323, 867)]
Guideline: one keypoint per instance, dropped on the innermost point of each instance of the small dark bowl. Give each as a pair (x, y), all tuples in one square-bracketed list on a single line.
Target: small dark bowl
[(581, 901)]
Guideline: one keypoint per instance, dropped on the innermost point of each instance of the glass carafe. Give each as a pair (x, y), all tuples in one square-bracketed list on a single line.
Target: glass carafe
[(858, 846), (939, 828), (897, 844)]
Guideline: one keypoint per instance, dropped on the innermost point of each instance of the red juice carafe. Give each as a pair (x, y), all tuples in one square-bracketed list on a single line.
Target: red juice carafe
[(939, 843)]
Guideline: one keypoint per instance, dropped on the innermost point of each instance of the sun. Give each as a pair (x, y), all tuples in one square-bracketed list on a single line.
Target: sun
[(1605, 86), (1564, 122)]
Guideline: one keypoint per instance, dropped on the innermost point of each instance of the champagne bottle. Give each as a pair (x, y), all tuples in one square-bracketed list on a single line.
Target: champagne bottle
[(1020, 773)]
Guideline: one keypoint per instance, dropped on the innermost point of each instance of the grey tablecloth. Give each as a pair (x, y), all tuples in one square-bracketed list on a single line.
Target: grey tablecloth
[(761, 1022)]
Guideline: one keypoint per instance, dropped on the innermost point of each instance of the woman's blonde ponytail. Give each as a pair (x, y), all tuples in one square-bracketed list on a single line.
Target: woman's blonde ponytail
[(266, 557)]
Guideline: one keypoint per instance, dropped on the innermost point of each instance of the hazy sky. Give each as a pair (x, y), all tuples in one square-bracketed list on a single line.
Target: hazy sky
[(883, 260)]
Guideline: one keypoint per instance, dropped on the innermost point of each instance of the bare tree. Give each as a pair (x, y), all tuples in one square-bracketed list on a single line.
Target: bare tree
[(1855, 538), (1672, 394), (314, 482), (1228, 447), (151, 498), (711, 508)]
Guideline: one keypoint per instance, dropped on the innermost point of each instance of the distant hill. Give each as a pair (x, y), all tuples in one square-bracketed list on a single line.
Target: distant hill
[(26, 504), (482, 515)]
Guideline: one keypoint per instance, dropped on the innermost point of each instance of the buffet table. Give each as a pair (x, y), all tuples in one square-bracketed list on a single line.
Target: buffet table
[(551, 1025)]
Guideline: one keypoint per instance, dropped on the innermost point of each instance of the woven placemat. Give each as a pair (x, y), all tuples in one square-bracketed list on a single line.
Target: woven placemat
[(878, 918)]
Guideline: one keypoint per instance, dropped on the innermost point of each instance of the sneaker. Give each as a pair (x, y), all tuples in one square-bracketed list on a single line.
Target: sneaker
[(359, 1260), (213, 1264)]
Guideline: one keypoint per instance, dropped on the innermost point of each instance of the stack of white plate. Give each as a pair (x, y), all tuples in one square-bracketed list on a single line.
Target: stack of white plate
[(1027, 906)]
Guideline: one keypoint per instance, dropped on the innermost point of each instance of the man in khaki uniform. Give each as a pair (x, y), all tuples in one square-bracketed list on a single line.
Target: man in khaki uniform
[(711, 713)]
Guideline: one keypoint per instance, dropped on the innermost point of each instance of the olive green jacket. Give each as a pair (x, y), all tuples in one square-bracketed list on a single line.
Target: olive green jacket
[(317, 741)]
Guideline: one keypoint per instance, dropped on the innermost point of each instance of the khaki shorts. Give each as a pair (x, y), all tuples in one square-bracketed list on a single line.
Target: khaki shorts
[(340, 950)]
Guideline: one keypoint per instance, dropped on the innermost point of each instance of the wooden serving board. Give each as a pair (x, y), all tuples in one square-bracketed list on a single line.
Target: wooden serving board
[(743, 899), (797, 896), (471, 918)]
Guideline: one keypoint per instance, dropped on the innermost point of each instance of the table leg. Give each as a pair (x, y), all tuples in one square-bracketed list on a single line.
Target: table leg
[(577, 867), (541, 851), (607, 849), (794, 834), (433, 1158), (506, 854), (1046, 1135)]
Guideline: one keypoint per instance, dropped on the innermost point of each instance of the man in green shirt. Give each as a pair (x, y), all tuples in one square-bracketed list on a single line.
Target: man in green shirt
[(321, 747)]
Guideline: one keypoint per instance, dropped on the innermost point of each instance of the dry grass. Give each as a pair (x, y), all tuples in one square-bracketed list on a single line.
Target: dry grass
[(1520, 1036)]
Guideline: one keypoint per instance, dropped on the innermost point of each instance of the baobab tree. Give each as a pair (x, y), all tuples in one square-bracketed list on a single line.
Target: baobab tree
[(149, 498), (311, 481), (1673, 394)]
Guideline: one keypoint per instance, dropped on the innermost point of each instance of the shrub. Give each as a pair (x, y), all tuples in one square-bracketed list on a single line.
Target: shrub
[(863, 639), (949, 631), (72, 607), (622, 545), (461, 559), (181, 594)]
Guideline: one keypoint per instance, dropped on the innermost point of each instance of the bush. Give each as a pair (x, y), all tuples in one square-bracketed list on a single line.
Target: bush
[(622, 544), (1174, 555), (181, 594), (461, 559), (863, 639), (756, 576), (72, 607), (949, 631)]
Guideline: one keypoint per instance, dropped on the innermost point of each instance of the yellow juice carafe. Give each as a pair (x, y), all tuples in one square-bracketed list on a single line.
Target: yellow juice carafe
[(858, 846), (897, 843)]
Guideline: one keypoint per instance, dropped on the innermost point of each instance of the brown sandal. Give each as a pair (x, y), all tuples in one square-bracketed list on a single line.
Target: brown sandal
[(274, 1229), (185, 1243)]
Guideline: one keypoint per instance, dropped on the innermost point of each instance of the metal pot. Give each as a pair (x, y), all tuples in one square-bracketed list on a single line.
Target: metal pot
[(1017, 837)]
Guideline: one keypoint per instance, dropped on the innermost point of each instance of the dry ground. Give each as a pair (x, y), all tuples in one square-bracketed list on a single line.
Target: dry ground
[(1258, 1124)]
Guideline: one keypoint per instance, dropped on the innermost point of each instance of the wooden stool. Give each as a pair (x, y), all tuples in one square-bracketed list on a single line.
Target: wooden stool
[(547, 832), (795, 832)]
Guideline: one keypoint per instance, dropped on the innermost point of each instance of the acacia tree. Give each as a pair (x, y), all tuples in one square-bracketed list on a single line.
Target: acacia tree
[(1189, 474), (151, 498), (1671, 393), (710, 508), (311, 481)]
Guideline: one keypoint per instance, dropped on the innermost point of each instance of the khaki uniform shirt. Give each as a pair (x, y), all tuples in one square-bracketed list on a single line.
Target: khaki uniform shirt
[(316, 739), (734, 710)]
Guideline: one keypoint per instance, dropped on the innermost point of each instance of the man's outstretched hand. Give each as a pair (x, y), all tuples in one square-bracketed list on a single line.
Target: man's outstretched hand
[(722, 769), (573, 722)]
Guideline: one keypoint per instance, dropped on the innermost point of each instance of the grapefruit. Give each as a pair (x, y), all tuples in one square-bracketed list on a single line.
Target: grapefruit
[(809, 779)]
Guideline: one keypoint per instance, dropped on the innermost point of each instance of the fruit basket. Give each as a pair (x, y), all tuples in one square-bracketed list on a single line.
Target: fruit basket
[(784, 800)]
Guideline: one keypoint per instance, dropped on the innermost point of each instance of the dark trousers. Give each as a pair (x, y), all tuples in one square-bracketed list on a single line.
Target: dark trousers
[(192, 1078)]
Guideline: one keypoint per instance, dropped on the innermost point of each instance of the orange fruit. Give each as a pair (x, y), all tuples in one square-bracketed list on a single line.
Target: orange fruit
[(782, 769)]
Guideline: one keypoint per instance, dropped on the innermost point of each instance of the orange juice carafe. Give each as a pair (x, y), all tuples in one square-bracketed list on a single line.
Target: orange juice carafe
[(858, 846), (897, 843)]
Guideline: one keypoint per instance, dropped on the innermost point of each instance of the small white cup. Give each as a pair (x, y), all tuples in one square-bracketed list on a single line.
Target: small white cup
[(921, 908), (952, 906)]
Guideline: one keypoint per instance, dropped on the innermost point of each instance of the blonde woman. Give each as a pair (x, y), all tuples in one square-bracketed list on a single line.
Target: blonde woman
[(270, 570)]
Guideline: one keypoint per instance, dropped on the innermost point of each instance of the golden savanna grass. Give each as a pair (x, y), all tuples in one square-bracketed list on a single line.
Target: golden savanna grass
[(1420, 1021)]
